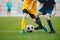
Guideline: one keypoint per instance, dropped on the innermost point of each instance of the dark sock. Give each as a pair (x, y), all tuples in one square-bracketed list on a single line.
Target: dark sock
[(38, 21), (50, 25)]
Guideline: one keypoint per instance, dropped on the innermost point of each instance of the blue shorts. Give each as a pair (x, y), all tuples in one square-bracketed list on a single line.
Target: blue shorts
[(9, 10), (45, 11)]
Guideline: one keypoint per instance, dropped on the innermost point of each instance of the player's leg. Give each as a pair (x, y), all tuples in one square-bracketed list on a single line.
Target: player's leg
[(44, 27), (38, 21), (41, 26), (48, 15), (8, 11), (23, 21)]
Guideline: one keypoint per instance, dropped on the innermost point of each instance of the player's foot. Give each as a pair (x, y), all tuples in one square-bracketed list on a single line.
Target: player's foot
[(22, 31), (45, 29), (52, 32), (37, 28)]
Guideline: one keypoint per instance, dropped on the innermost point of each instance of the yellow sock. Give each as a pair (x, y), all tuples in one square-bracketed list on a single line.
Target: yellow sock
[(23, 24)]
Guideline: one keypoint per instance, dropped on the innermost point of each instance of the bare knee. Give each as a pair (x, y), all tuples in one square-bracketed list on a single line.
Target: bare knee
[(47, 17), (38, 14), (34, 20)]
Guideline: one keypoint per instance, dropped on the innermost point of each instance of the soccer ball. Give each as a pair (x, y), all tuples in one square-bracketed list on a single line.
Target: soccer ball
[(29, 28)]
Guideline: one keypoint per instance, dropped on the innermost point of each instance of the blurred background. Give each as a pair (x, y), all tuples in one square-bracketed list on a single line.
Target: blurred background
[(16, 9), (10, 23)]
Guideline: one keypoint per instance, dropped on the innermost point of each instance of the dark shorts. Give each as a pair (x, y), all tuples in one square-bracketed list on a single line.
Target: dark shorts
[(31, 15), (46, 11), (9, 10)]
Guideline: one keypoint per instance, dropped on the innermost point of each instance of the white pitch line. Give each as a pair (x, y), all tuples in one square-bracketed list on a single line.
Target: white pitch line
[(7, 31)]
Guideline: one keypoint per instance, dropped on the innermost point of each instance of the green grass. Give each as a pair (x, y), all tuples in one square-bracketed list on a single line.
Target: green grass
[(11, 26)]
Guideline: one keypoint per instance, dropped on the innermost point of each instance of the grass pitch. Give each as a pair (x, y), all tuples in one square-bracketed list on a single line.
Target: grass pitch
[(11, 26)]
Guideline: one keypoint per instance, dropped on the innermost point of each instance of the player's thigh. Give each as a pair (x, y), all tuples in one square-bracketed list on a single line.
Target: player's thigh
[(24, 16), (33, 17), (25, 13), (48, 14), (38, 14)]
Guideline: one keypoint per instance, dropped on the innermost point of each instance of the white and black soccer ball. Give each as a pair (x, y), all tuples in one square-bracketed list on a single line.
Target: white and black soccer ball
[(29, 28)]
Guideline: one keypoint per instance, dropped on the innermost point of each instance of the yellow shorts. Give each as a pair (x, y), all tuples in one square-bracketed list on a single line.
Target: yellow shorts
[(27, 4)]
